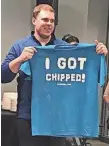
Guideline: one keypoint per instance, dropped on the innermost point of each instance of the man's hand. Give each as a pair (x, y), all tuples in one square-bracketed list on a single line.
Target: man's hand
[(101, 48), (27, 54)]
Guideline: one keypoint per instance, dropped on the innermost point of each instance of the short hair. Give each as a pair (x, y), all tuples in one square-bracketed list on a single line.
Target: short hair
[(70, 38), (40, 7)]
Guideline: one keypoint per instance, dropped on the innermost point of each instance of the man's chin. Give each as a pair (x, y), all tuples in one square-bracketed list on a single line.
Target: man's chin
[(45, 36)]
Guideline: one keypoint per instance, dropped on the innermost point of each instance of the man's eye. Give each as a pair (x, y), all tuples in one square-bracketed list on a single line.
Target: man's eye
[(46, 20), (52, 20)]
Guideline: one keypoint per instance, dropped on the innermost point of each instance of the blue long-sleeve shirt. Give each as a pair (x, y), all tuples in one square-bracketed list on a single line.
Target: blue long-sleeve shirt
[(24, 82)]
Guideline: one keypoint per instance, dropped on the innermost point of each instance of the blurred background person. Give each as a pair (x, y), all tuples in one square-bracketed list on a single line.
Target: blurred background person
[(106, 93), (70, 39), (106, 99)]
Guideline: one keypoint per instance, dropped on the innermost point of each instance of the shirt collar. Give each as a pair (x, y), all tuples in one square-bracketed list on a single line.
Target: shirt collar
[(51, 42)]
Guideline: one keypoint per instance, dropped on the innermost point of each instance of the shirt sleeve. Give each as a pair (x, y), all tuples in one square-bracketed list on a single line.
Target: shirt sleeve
[(6, 74), (25, 67), (103, 70)]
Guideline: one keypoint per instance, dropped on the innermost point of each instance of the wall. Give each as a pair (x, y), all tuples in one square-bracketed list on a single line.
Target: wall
[(73, 18), (87, 19), (97, 20), (15, 24)]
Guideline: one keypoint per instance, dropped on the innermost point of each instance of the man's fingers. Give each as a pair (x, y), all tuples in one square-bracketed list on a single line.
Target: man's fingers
[(100, 52), (30, 56), (30, 49), (96, 42), (34, 50), (100, 45)]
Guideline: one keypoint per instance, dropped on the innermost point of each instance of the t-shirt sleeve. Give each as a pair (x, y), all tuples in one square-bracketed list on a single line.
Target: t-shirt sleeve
[(102, 71), (25, 67)]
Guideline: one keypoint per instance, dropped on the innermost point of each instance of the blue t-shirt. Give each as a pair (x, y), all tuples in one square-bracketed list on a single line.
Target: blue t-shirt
[(65, 89)]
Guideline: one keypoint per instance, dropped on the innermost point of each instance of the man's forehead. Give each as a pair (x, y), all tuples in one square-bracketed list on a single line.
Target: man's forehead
[(46, 13)]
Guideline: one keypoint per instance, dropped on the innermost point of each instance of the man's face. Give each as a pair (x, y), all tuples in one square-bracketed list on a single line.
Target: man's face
[(44, 23)]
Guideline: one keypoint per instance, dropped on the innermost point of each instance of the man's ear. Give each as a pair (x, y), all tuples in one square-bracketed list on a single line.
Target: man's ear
[(33, 21)]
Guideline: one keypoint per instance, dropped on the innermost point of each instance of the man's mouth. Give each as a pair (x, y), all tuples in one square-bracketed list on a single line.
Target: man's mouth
[(48, 29)]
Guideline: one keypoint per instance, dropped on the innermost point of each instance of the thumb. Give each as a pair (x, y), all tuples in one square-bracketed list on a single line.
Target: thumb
[(96, 42)]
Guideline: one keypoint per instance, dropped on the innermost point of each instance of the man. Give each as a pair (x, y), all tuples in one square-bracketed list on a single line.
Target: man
[(106, 99), (43, 19), (106, 93)]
